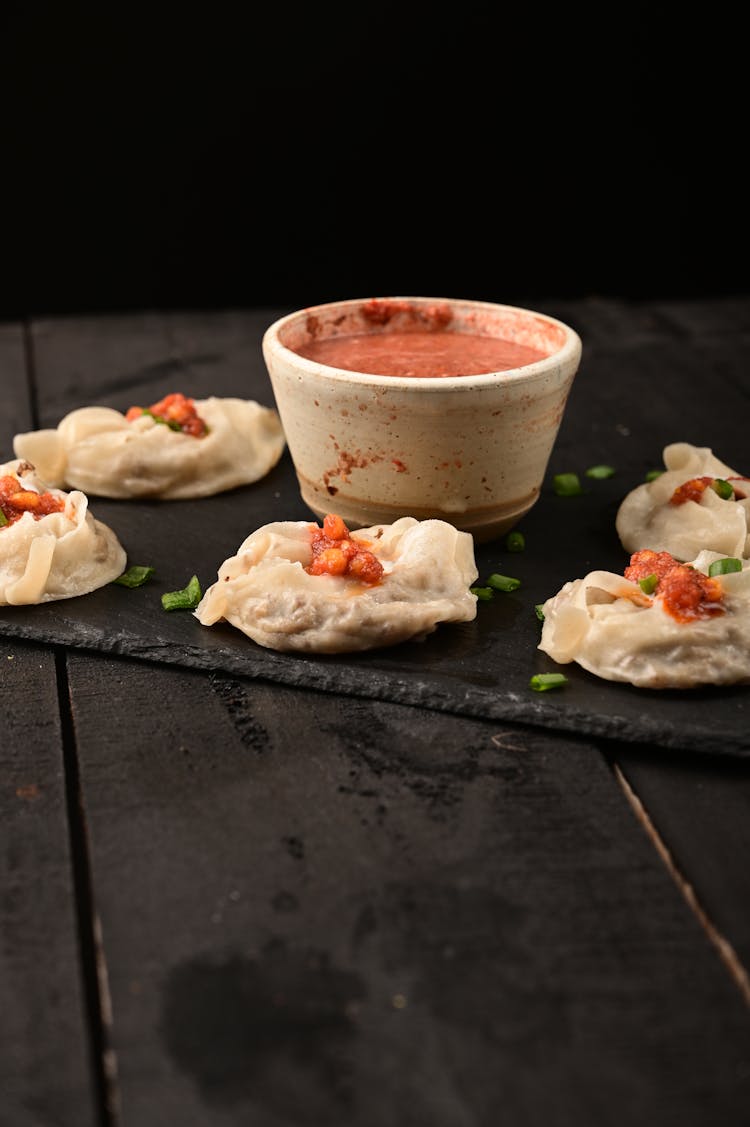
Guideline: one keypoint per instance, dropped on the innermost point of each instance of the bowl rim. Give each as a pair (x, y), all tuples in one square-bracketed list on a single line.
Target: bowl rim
[(568, 353)]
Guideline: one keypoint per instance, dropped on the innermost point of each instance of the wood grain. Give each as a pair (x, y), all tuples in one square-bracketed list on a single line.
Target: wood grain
[(359, 913), (702, 812), (45, 1074)]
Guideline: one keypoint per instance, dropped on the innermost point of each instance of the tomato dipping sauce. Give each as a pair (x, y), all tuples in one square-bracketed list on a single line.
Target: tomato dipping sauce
[(335, 553), (421, 353), (176, 411), (15, 501), (686, 593)]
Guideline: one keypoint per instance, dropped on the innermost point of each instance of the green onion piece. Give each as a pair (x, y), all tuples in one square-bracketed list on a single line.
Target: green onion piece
[(653, 474), (539, 608), (484, 594), (135, 576), (171, 423), (540, 682), (725, 566), (649, 583), (566, 484), (3, 519), (515, 542), (503, 582), (723, 488), (186, 599), (600, 472)]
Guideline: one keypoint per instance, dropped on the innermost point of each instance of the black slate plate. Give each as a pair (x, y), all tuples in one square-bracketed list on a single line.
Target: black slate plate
[(479, 669)]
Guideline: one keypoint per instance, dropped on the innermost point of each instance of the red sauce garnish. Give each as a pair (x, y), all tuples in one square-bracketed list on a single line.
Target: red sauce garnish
[(690, 490), (15, 501), (686, 593), (335, 553), (177, 411), (693, 489)]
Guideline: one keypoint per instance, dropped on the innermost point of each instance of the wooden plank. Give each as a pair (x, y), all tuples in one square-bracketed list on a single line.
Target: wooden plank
[(45, 1075), (701, 812), (317, 910)]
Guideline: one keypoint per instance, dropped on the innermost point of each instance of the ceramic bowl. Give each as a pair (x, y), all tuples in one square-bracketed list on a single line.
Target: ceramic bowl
[(471, 449)]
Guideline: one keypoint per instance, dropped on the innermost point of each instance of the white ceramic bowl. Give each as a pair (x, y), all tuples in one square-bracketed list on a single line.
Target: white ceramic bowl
[(469, 449)]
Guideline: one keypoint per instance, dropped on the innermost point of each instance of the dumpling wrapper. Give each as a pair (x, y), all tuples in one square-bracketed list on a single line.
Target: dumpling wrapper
[(57, 556), (266, 593), (646, 519), (95, 449), (606, 624)]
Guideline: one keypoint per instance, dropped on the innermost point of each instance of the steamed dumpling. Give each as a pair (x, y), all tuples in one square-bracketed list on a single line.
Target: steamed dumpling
[(296, 586), (176, 449), (681, 512), (691, 630), (51, 547)]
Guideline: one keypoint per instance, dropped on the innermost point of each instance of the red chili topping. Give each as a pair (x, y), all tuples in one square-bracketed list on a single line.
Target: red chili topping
[(335, 553), (177, 411), (686, 593), (690, 490), (15, 501), (693, 489)]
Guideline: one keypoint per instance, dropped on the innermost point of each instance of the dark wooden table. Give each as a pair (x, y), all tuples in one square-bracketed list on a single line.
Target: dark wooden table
[(258, 900)]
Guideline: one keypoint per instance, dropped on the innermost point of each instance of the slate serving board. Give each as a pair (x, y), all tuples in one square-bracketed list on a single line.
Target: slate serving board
[(480, 669)]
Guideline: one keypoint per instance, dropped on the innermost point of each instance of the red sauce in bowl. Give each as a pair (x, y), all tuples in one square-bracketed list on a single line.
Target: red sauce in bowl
[(420, 352)]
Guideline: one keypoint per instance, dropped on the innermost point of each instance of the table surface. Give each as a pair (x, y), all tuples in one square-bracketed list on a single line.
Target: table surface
[(239, 895)]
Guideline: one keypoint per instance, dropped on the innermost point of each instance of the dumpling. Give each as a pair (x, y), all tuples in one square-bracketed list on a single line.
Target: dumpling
[(178, 448), (697, 503), (664, 624), (51, 547), (294, 585)]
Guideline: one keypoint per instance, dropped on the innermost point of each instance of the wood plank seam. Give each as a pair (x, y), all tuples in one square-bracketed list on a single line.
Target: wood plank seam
[(94, 973), (726, 952)]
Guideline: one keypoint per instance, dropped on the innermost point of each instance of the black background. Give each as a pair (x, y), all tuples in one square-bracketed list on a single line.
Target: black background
[(160, 156)]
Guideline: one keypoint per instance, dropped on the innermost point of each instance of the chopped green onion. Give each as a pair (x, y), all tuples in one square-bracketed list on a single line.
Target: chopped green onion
[(649, 583), (540, 682), (186, 599), (653, 474), (539, 608), (171, 423), (515, 542), (725, 566), (3, 519), (600, 472), (484, 594), (566, 484), (723, 488), (503, 582), (135, 576)]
